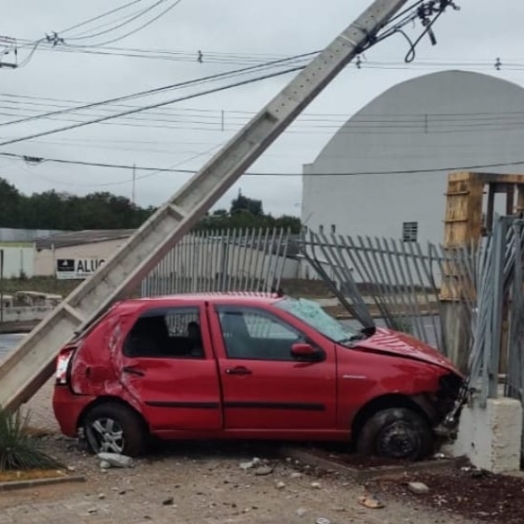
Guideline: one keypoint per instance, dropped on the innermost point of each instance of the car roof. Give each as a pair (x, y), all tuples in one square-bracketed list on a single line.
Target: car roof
[(214, 298)]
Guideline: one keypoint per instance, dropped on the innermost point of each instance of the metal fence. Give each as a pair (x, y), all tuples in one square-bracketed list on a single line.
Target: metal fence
[(466, 298), (228, 260), (398, 284)]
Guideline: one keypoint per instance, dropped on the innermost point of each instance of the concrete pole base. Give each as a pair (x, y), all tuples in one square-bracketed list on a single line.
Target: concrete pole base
[(491, 437)]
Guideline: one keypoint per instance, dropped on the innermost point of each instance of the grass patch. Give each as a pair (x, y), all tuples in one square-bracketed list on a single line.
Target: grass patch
[(32, 474), (19, 450), (39, 284), (49, 285)]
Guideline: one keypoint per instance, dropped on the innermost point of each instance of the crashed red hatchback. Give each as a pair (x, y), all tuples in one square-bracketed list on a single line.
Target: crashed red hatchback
[(249, 366)]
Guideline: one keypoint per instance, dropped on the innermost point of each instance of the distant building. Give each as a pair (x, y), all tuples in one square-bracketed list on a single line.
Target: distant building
[(442, 120), (88, 248)]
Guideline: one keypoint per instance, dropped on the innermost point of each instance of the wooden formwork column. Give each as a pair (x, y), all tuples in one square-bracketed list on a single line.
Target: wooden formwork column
[(463, 226)]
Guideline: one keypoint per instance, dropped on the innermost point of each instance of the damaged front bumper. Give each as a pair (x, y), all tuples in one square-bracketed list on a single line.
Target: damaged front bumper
[(453, 394)]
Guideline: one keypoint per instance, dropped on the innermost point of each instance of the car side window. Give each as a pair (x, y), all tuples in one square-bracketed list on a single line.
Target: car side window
[(166, 333), (256, 335)]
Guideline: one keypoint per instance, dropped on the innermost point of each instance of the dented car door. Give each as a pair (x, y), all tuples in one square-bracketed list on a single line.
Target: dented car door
[(169, 368)]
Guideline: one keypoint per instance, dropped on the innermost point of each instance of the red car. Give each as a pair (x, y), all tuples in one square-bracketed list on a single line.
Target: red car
[(249, 366)]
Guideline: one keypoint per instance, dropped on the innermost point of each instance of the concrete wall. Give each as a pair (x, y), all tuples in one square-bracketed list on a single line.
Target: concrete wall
[(18, 260), (46, 258), (445, 119)]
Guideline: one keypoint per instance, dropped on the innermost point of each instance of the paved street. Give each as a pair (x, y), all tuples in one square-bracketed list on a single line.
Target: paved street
[(7, 342)]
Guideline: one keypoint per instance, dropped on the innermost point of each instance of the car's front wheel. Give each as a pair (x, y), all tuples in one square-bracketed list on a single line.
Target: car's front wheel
[(114, 428), (396, 433)]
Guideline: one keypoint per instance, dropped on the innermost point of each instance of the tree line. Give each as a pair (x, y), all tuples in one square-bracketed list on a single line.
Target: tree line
[(103, 210)]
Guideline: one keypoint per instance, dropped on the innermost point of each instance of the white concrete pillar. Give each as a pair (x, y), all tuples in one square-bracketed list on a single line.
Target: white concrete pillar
[(491, 437)]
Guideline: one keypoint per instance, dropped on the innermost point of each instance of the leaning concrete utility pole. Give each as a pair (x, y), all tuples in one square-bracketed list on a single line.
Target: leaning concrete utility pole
[(31, 364)]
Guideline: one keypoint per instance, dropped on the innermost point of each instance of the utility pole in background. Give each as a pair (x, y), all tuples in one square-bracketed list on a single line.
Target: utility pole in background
[(133, 189)]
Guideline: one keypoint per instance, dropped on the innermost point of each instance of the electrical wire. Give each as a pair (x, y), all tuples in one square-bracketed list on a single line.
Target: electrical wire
[(98, 17), (136, 30), (55, 38), (130, 18), (262, 174), (154, 106), (194, 82)]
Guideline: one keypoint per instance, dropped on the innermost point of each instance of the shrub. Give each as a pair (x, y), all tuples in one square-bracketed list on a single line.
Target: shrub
[(18, 450)]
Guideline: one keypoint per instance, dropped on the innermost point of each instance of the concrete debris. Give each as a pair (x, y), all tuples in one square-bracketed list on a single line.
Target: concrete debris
[(316, 485), (301, 512), (104, 465), (418, 488), (280, 485), (115, 460), (371, 502), (263, 471), (296, 475), (251, 464)]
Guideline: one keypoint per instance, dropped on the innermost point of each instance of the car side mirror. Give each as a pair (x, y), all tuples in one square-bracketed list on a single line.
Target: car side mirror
[(306, 352)]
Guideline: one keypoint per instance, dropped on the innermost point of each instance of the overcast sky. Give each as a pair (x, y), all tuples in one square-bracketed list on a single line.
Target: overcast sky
[(187, 133)]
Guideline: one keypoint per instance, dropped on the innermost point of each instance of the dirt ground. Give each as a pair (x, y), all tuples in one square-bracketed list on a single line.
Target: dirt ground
[(204, 483)]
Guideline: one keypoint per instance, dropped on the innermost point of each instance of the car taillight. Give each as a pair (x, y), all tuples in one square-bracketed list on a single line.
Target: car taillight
[(62, 364)]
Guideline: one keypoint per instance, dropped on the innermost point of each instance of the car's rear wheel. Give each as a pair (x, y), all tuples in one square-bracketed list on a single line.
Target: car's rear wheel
[(114, 428), (396, 433)]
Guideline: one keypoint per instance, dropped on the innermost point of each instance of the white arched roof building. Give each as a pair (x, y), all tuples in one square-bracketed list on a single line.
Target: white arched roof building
[(441, 120)]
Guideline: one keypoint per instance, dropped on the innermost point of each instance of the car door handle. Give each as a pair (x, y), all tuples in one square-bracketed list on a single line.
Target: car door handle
[(240, 370), (133, 371)]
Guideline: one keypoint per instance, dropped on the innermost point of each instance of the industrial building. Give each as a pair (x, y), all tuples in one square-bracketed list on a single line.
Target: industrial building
[(385, 171)]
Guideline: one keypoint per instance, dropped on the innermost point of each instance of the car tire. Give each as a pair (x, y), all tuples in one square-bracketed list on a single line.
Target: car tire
[(396, 433), (114, 428)]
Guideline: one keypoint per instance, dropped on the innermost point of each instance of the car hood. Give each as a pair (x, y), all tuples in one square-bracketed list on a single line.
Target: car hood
[(399, 344)]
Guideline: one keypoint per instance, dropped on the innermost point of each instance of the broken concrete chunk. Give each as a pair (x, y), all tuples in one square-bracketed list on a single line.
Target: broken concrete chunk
[(251, 464), (263, 470), (115, 460), (418, 488), (371, 502), (104, 465), (280, 485), (316, 485)]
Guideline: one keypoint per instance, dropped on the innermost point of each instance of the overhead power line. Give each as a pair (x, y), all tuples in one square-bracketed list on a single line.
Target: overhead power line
[(153, 106), (56, 39), (98, 17), (441, 169), (170, 87)]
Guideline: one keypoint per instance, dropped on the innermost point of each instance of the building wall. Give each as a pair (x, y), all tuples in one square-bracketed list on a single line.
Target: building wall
[(444, 119), (8, 234), (18, 260), (45, 260)]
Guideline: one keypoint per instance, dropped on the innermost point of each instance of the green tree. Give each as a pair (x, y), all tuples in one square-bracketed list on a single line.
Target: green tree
[(243, 203), (10, 201)]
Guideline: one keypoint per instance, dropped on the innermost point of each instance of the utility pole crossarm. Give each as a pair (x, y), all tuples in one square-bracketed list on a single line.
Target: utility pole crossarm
[(31, 364)]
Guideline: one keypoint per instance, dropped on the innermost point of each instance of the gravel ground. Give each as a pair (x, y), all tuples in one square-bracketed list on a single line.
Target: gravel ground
[(474, 494), (203, 482)]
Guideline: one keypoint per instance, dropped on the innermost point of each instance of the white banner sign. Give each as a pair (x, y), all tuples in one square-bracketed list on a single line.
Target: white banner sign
[(77, 268)]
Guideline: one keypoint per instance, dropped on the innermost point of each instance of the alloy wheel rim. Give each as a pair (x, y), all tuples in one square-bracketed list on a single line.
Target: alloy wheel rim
[(105, 435)]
